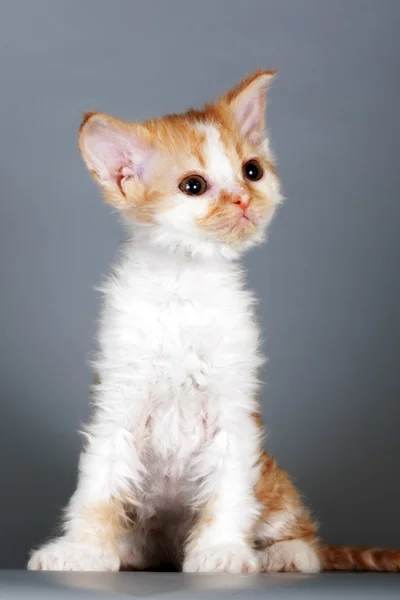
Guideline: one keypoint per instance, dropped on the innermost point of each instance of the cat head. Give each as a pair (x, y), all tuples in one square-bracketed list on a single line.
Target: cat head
[(203, 181)]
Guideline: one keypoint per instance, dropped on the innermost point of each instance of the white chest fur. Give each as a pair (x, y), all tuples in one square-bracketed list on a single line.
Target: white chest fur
[(179, 344)]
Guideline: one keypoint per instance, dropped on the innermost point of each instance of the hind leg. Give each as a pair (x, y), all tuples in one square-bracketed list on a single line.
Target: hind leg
[(285, 534), (290, 555)]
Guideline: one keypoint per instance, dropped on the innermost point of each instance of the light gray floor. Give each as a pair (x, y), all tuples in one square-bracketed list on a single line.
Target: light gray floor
[(23, 584)]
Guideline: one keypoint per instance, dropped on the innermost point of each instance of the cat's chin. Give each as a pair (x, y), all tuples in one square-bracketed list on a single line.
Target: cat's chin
[(244, 227)]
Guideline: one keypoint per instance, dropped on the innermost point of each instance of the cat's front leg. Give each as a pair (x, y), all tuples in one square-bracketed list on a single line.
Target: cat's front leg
[(221, 539), (95, 520)]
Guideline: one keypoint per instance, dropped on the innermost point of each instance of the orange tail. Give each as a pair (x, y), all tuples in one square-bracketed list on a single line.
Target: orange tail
[(342, 558)]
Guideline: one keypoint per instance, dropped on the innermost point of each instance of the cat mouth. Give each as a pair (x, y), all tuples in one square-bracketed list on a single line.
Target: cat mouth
[(244, 225), (247, 218)]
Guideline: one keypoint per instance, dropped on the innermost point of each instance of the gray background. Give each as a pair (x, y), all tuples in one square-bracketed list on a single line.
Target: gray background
[(328, 279)]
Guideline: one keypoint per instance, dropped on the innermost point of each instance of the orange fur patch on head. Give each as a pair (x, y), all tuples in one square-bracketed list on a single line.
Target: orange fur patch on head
[(175, 136)]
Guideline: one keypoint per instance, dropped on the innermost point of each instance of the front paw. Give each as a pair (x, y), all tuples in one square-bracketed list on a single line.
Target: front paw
[(64, 555), (233, 558)]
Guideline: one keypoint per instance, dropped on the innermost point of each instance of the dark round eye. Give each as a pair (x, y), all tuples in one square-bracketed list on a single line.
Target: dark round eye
[(252, 170), (193, 185)]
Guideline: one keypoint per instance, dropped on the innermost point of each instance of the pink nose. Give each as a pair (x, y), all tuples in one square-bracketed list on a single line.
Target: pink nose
[(243, 201)]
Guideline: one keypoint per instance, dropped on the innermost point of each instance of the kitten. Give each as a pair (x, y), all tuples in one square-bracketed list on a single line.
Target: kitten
[(173, 470)]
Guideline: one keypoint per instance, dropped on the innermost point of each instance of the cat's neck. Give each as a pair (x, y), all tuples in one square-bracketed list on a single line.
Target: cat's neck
[(159, 273), (167, 265), (182, 248), (200, 254)]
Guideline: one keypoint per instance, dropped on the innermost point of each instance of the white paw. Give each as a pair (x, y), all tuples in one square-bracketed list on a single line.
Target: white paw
[(290, 555), (215, 559), (63, 555)]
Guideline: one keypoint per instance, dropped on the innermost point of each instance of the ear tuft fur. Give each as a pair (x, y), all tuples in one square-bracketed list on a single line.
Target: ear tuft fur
[(247, 100), (86, 117)]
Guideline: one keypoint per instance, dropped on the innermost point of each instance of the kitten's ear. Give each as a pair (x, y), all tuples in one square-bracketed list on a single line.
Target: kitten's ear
[(114, 150), (248, 101)]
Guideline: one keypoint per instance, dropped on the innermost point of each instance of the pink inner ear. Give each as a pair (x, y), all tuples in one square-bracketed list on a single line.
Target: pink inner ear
[(112, 150), (249, 106), (250, 115), (111, 157)]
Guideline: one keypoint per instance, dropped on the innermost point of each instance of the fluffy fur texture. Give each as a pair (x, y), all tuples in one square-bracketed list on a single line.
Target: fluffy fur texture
[(173, 469)]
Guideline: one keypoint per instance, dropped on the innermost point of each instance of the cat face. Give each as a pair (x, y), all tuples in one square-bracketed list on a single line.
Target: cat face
[(203, 180)]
